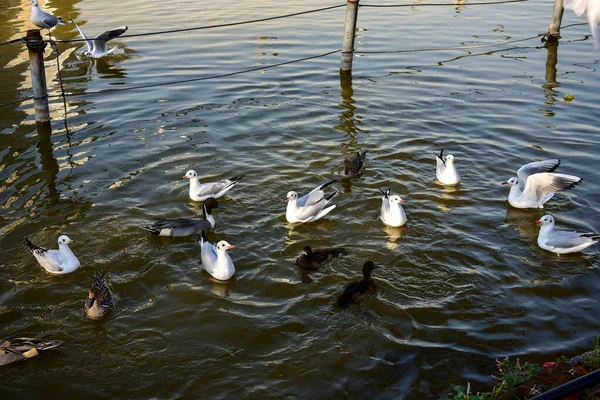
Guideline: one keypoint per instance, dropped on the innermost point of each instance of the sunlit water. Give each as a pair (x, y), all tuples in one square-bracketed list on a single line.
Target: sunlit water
[(464, 282)]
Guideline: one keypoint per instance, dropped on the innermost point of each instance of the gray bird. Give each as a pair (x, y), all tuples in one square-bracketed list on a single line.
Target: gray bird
[(177, 227), (21, 348), (354, 166), (42, 19), (101, 301)]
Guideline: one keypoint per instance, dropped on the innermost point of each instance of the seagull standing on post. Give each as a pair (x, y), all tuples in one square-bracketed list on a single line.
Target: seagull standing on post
[(42, 19)]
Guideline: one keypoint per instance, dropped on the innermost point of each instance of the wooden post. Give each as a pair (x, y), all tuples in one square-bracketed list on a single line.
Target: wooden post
[(349, 33), (554, 30), (36, 46)]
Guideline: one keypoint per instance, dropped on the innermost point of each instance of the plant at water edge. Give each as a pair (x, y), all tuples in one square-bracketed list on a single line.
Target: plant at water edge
[(512, 374)]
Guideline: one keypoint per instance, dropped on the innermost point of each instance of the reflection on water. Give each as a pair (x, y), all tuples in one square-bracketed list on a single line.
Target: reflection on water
[(394, 234), (49, 163), (551, 86)]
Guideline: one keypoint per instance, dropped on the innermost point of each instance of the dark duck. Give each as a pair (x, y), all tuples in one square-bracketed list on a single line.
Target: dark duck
[(357, 292), (313, 259), (354, 166)]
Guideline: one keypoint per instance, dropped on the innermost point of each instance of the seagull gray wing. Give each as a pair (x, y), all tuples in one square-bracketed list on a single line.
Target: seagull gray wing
[(311, 210), (213, 188), (311, 198), (568, 239), (534, 168), (209, 253), (90, 43), (102, 39), (49, 20), (540, 184)]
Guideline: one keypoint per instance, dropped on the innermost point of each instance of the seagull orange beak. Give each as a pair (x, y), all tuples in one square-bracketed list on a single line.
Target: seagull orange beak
[(231, 246), (537, 222), (286, 199), (505, 183), (183, 177), (402, 201)]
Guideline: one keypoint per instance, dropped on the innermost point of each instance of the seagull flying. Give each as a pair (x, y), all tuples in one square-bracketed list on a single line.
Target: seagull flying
[(536, 184), (96, 47)]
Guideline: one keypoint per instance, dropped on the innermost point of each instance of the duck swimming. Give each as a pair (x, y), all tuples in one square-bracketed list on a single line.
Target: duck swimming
[(359, 291), (354, 166), (178, 227), (101, 301), (312, 260), (21, 348)]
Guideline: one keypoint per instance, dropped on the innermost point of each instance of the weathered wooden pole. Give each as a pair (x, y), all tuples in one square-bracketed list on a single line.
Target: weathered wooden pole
[(349, 34), (36, 46), (554, 30)]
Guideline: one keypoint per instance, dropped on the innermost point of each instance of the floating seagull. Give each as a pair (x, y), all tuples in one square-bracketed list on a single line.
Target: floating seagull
[(96, 48), (61, 261), (101, 301), (309, 207), (42, 19), (536, 184), (445, 170), (392, 213), (358, 291), (592, 9), (563, 242), (312, 259), (215, 260), (202, 191), (17, 349), (354, 166), (177, 227)]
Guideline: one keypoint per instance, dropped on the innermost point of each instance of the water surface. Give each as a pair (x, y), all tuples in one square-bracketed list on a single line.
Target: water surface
[(464, 283)]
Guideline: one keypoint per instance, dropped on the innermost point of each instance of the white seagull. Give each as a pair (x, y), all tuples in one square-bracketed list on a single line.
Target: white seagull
[(96, 48), (563, 242), (592, 9), (392, 213), (215, 260), (202, 191), (42, 19), (61, 261), (536, 184), (445, 170), (309, 207)]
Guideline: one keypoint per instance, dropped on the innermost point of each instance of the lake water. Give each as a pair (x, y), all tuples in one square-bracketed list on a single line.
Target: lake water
[(462, 285)]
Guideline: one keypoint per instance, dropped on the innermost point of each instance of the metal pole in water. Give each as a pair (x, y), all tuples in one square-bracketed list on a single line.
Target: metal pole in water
[(349, 33), (554, 30), (36, 46)]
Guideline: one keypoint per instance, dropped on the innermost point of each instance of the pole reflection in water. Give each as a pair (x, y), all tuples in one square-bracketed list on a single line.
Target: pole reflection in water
[(49, 163), (348, 123), (551, 84)]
